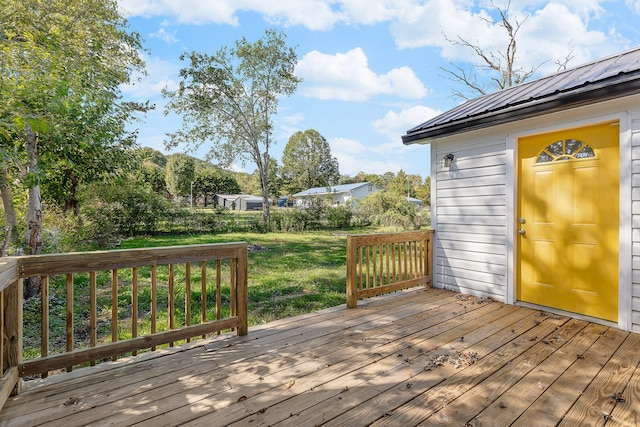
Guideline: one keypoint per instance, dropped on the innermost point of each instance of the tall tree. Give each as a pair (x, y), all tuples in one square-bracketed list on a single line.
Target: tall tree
[(230, 98), (180, 174), (404, 184), (503, 65), (307, 162), (423, 191), (61, 69), (275, 178), (210, 181)]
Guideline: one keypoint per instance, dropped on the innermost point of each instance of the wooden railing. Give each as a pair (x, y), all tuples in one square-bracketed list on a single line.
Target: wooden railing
[(383, 263), (123, 291)]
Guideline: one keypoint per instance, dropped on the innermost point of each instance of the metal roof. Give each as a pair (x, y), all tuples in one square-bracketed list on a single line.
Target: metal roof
[(607, 78), (345, 188)]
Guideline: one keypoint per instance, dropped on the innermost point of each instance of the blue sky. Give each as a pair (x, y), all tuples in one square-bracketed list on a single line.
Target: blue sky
[(370, 68)]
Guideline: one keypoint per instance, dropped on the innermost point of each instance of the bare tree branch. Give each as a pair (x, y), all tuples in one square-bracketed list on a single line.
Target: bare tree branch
[(502, 64)]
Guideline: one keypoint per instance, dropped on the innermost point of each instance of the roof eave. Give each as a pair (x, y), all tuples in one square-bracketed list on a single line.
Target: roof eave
[(598, 92)]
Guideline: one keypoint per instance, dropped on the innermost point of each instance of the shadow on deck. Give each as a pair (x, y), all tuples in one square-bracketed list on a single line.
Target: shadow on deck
[(415, 357)]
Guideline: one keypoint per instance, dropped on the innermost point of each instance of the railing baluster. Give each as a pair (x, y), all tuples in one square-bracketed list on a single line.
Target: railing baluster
[(388, 265), (203, 296), (114, 308), (406, 262), (360, 257), (134, 305), (187, 297), (93, 310), (368, 251), (154, 298), (374, 256), (44, 317), (218, 290), (172, 300), (69, 328), (412, 259), (233, 289)]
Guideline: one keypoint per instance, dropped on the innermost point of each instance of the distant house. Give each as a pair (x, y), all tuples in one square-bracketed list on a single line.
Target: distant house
[(337, 194), (536, 192), (238, 202)]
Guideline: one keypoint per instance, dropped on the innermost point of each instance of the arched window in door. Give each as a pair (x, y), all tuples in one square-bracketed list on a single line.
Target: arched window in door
[(568, 149)]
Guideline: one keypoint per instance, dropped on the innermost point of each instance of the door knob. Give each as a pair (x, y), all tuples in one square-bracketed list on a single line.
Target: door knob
[(522, 232)]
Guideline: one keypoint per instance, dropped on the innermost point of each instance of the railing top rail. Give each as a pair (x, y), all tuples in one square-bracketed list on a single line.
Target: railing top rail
[(76, 262), (8, 272), (381, 238)]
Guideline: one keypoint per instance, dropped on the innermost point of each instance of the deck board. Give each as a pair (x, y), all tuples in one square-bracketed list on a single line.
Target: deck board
[(416, 357)]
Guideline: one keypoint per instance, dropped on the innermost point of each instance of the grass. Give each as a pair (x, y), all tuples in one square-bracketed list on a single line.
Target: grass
[(294, 274)]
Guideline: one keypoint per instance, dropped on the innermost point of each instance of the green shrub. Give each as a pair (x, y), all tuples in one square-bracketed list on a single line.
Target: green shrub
[(387, 210), (123, 208)]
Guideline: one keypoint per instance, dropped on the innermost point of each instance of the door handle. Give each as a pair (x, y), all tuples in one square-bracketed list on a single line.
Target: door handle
[(522, 232)]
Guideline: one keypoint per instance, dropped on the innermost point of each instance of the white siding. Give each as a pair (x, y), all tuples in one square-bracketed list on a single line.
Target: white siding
[(470, 217), (362, 192), (635, 212)]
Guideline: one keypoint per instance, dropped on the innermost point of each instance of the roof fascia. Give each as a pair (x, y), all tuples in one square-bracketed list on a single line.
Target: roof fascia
[(549, 104)]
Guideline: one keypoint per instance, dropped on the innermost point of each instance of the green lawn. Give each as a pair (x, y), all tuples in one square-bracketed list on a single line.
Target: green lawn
[(289, 274)]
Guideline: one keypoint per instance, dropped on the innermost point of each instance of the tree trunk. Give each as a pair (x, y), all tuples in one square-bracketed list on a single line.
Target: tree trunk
[(10, 218), (71, 203), (263, 171), (34, 209)]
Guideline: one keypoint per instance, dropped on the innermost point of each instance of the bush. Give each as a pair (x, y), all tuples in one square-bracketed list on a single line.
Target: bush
[(315, 215), (339, 216), (122, 208), (387, 210)]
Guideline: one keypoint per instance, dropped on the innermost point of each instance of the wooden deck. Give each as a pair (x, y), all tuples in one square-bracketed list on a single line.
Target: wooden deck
[(418, 357)]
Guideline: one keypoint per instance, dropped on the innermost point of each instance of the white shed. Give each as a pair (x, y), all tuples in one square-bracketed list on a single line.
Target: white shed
[(536, 193)]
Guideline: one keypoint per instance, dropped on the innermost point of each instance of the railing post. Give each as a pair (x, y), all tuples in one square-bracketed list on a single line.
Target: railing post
[(242, 292), (429, 260), (352, 289), (13, 327)]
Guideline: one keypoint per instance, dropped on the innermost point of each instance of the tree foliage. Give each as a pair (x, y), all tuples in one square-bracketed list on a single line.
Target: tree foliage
[(62, 66), (307, 162), (387, 209), (230, 98), (210, 181), (180, 173)]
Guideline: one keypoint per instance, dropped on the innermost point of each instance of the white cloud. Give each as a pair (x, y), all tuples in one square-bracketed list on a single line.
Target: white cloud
[(293, 119), (354, 156), (165, 36), (368, 12), (421, 23), (633, 5), (312, 14), (347, 77), (550, 31), (393, 124), (160, 74)]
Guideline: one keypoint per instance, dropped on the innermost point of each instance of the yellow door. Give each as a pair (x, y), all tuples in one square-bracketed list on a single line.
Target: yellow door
[(568, 216)]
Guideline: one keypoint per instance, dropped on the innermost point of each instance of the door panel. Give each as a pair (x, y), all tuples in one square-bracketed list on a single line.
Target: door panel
[(568, 214)]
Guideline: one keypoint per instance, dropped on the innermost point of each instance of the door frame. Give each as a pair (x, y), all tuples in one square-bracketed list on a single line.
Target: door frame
[(553, 124)]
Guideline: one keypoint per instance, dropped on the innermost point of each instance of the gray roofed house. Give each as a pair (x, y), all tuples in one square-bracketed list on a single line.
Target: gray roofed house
[(536, 192), (338, 194)]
